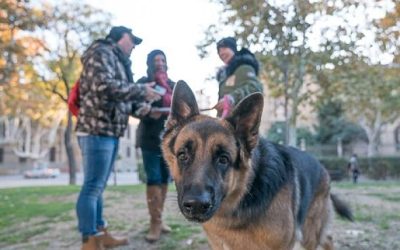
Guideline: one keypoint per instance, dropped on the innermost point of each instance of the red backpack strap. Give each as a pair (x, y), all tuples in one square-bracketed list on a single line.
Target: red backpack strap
[(73, 99)]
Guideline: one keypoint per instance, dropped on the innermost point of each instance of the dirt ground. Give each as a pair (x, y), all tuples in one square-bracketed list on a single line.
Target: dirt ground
[(377, 226)]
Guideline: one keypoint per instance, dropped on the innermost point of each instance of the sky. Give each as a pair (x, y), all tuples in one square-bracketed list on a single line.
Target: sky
[(174, 26)]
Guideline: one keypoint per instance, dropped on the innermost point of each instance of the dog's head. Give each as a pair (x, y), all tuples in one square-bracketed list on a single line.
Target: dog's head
[(209, 158)]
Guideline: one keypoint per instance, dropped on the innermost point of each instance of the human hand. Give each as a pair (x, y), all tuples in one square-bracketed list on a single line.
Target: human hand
[(224, 105), (151, 94), (143, 109), (155, 113)]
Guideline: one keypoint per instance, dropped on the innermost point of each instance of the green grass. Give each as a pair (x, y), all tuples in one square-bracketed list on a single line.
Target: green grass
[(23, 235), (21, 204), (128, 189), (181, 231), (43, 207), (45, 204), (393, 197), (133, 189), (366, 185), (380, 190)]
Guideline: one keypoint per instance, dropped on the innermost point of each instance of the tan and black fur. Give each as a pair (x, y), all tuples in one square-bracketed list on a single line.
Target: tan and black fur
[(246, 192)]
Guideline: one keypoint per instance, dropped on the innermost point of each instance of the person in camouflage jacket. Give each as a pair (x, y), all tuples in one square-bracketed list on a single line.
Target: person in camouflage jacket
[(107, 91), (237, 78), (106, 95)]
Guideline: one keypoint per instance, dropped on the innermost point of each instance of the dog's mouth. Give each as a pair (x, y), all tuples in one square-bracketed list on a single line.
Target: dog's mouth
[(199, 217), (198, 208)]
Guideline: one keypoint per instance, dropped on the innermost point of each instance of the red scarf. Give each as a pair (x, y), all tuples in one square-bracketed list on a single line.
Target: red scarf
[(161, 79)]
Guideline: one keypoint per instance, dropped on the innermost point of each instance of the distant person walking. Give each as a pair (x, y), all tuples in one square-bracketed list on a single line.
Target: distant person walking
[(354, 168)]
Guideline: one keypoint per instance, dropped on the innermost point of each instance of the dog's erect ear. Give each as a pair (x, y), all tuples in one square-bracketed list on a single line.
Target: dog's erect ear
[(246, 119), (184, 105)]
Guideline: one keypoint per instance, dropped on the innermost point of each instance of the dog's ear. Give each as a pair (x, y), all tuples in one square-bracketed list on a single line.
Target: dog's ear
[(246, 119), (184, 105)]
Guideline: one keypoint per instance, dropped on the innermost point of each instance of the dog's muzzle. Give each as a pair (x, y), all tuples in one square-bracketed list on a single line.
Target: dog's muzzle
[(197, 206)]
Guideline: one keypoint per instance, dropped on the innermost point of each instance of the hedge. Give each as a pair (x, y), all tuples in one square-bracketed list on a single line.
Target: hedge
[(376, 168)]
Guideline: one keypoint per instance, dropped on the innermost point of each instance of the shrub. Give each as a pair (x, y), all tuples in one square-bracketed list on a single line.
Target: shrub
[(377, 168), (380, 168), (336, 166), (141, 173)]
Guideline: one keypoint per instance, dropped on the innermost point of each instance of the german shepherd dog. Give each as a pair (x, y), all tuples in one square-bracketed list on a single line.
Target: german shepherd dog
[(246, 192)]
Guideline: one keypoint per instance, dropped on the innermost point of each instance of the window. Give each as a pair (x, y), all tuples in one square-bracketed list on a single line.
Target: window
[(2, 130), (128, 152), (1, 155), (52, 155), (128, 132), (397, 138)]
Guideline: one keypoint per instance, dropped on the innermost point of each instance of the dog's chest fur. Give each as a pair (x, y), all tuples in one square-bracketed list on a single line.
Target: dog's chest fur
[(275, 229)]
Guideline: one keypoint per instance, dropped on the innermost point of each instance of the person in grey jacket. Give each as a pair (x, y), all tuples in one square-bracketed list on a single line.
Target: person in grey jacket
[(107, 94)]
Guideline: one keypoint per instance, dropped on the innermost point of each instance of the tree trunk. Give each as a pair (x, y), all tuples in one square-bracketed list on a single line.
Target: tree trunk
[(286, 104), (373, 131), (292, 133), (371, 149), (373, 142), (70, 151)]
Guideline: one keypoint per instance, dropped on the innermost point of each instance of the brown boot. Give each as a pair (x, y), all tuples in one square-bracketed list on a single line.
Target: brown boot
[(164, 189), (92, 243), (109, 241), (153, 193)]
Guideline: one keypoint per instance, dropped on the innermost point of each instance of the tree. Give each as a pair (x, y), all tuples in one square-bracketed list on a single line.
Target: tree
[(366, 77), (277, 134), (388, 33), (279, 32), (17, 47), (372, 96), (30, 119), (334, 126), (72, 27), (298, 39), (26, 111)]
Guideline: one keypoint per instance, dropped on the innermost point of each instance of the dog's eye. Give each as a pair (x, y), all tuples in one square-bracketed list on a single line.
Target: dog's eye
[(182, 157), (223, 160)]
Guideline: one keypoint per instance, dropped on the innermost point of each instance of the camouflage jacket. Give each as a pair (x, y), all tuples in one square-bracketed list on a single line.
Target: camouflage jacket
[(240, 77), (106, 91)]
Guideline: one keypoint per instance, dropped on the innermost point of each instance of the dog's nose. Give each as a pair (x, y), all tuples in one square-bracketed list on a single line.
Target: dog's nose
[(197, 204)]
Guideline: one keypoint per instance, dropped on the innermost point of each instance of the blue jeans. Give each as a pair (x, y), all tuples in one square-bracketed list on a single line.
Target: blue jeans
[(155, 167), (98, 155)]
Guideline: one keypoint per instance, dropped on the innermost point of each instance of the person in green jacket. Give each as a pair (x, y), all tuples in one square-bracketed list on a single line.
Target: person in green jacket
[(237, 78)]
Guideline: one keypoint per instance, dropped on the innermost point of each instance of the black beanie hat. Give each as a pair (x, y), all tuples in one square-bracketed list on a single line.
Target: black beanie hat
[(227, 42), (152, 54), (116, 33), (150, 61)]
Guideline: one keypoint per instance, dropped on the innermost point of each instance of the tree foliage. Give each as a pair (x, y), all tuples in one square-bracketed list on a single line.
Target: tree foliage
[(18, 20), (326, 43), (48, 57), (282, 35), (74, 26), (334, 126)]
